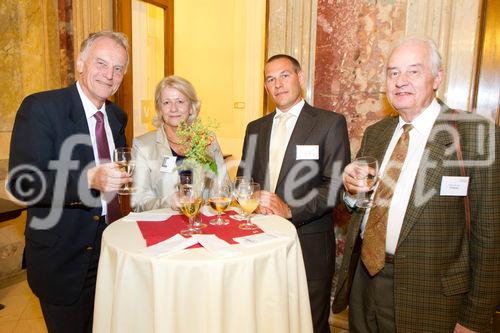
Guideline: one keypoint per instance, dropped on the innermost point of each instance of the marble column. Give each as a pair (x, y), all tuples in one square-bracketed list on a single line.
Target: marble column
[(292, 30)]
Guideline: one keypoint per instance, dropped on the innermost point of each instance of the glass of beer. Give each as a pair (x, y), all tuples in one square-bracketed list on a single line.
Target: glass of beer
[(124, 161), (366, 170), (248, 196), (219, 198), (190, 203), (237, 181)]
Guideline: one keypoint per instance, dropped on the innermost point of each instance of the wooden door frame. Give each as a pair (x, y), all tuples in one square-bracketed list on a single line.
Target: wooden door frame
[(122, 21), (486, 91)]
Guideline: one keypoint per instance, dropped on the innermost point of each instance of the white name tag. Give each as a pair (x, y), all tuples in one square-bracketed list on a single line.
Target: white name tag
[(454, 186), (307, 152), (168, 164)]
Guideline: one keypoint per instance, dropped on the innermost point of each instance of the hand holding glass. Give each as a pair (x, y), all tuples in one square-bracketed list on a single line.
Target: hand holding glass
[(190, 203), (366, 168), (124, 162), (248, 196)]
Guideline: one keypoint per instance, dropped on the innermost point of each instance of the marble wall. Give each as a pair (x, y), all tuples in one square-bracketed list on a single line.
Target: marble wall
[(29, 58), (29, 62), (353, 38)]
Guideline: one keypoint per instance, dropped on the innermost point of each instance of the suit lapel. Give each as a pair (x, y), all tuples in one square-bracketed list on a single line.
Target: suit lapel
[(162, 145), (380, 141), (115, 125), (77, 115), (429, 174), (303, 127), (263, 141)]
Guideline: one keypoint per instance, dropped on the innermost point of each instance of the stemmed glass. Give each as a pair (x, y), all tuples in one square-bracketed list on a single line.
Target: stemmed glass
[(366, 170), (237, 181), (219, 198), (248, 196), (125, 162), (190, 203)]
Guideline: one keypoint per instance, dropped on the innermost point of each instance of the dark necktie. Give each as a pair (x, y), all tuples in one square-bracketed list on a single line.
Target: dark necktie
[(373, 246), (113, 206)]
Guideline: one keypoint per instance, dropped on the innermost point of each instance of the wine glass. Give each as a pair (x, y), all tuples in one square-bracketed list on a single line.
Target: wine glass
[(248, 196), (219, 198), (190, 203), (124, 161), (237, 181), (367, 170)]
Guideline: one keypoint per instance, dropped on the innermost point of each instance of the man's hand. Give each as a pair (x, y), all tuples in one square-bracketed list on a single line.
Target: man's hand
[(107, 178), (354, 178), (270, 203), (461, 329)]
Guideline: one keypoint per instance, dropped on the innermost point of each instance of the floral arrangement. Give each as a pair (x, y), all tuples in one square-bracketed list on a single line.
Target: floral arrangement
[(197, 138)]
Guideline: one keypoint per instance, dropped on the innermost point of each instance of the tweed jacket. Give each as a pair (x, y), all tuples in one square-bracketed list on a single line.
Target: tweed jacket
[(153, 186), (441, 275), (57, 257)]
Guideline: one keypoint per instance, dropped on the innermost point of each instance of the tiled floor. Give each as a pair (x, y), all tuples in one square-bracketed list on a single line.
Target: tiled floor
[(22, 312)]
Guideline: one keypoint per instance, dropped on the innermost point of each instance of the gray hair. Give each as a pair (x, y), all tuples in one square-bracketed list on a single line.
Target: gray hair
[(435, 56), (118, 37), (183, 86)]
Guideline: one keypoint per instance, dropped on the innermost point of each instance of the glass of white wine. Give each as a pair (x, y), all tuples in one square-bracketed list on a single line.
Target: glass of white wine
[(237, 181), (124, 161), (190, 203), (219, 198), (366, 170), (248, 196)]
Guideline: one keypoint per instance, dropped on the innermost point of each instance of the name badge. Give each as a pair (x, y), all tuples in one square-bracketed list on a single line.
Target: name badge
[(168, 164), (454, 186), (307, 152)]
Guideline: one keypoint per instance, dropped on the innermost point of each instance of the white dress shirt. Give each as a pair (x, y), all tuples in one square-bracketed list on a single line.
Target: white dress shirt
[(422, 126), (290, 124), (90, 110)]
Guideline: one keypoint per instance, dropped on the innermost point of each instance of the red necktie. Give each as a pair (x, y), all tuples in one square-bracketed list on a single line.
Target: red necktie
[(373, 246), (113, 206)]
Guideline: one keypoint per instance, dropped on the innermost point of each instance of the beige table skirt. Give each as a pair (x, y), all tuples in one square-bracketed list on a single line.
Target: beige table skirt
[(263, 289)]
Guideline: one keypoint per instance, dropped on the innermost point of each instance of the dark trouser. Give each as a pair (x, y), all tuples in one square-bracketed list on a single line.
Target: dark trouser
[(371, 303), (77, 317), (318, 250)]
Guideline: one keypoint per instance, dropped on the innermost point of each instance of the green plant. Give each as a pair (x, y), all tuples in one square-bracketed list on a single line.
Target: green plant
[(197, 138)]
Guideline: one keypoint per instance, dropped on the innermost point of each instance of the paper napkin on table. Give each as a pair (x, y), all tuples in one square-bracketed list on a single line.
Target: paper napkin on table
[(260, 238), (172, 245), (147, 216), (216, 245), (178, 243)]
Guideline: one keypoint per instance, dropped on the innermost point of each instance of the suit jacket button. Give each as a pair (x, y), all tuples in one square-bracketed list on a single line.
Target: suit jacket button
[(96, 218), (89, 248)]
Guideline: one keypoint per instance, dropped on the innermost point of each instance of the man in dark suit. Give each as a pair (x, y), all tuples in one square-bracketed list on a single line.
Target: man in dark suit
[(60, 166), (297, 154), (437, 269)]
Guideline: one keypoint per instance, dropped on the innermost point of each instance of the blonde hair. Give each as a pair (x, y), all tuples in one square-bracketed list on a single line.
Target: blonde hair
[(183, 86)]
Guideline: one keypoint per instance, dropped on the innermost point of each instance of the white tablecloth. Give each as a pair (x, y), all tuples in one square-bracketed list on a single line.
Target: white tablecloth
[(264, 289)]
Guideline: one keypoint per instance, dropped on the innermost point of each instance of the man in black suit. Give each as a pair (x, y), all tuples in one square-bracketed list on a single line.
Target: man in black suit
[(297, 154), (60, 166)]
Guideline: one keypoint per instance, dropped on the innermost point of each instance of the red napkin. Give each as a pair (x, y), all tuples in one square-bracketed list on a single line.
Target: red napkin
[(155, 232)]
